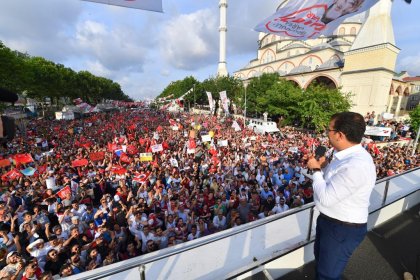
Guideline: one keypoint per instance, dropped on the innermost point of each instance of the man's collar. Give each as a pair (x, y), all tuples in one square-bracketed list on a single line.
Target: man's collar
[(344, 153)]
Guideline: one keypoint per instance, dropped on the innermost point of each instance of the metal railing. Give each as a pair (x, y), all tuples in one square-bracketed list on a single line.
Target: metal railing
[(141, 261)]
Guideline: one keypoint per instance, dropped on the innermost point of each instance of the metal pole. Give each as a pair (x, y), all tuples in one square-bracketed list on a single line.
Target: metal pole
[(311, 217), (245, 108), (194, 94), (385, 193), (415, 142)]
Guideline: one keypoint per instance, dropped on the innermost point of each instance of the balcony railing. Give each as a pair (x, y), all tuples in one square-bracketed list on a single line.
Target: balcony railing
[(232, 252)]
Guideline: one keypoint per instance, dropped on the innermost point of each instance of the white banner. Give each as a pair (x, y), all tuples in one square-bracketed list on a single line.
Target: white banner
[(311, 18), (210, 98), (236, 126), (293, 149), (157, 148), (387, 116), (223, 143), (150, 5), (224, 100), (206, 138), (191, 151), (378, 131)]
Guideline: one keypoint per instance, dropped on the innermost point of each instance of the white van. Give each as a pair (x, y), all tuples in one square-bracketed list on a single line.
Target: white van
[(261, 127)]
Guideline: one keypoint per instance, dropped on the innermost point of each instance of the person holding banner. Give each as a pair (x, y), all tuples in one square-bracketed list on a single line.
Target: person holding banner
[(342, 190)]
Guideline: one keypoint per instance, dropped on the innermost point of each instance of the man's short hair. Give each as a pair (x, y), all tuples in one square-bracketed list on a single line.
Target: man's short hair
[(351, 124)]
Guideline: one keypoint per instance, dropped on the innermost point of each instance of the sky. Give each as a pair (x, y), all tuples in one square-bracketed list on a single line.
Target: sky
[(144, 51)]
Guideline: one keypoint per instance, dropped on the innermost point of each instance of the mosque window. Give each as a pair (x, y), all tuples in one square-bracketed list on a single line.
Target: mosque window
[(310, 60), (288, 53), (353, 31), (341, 31)]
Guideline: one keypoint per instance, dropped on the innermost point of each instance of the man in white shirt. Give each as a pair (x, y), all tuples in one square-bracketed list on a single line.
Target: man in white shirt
[(341, 193), (281, 207), (219, 221)]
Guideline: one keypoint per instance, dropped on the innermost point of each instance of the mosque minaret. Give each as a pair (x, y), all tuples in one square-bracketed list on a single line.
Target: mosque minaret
[(221, 68)]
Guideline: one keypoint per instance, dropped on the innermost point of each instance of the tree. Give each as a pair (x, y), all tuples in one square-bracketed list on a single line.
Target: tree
[(281, 100), (318, 104), (415, 118), (179, 88), (41, 78), (258, 87)]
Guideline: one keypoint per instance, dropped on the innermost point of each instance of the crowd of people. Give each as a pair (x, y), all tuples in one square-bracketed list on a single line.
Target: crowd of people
[(80, 194)]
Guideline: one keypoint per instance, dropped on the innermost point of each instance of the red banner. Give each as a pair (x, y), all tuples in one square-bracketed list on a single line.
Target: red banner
[(79, 162), (11, 175), (4, 162), (113, 147), (42, 169), (132, 150), (117, 169), (22, 158), (125, 158), (64, 192), (97, 156), (141, 178), (191, 144)]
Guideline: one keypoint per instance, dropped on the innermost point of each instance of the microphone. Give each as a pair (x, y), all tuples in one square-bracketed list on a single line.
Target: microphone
[(319, 153), (8, 96)]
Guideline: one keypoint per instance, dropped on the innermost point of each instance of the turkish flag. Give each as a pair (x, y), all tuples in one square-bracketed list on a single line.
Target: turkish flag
[(142, 141), (132, 150), (118, 169), (63, 193), (11, 175), (165, 145), (97, 156), (42, 169), (113, 147), (86, 145), (141, 178), (23, 158), (4, 162), (191, 144), (125, 158), (79, 162)]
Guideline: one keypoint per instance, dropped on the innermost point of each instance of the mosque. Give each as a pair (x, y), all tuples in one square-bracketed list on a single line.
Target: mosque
[(359, 58)]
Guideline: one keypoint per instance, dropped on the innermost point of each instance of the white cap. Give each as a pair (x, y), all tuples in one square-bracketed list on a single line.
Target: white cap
[(116, 197)]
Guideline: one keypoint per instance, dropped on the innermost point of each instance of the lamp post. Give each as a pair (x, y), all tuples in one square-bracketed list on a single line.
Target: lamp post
[(415, 142), (245, 105)]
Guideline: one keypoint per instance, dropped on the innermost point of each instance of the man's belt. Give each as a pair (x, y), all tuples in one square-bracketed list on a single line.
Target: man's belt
[(335, 221)]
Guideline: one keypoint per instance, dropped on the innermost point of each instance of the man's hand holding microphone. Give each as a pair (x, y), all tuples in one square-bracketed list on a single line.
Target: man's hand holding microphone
[(318, 160)]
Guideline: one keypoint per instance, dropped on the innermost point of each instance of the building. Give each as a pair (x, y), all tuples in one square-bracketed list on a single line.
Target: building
[(359, 58)]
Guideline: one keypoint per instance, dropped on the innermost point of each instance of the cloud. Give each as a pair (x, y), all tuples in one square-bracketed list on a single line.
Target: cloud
[(241, 21), (190, 41), (410, 63), (115, 48), (39, 28)]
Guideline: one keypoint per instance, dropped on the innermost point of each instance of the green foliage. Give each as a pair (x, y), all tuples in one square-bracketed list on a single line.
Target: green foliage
[(178, 88), (40, 78), (318, 104), (415, 118), (256, 93), (310, 108)]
